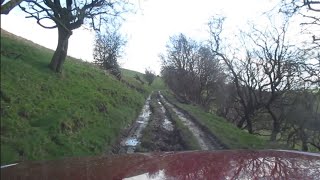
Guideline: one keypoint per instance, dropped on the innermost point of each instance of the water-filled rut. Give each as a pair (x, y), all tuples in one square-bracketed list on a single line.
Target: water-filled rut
[(201, 136), (155, 131), (129, 143)]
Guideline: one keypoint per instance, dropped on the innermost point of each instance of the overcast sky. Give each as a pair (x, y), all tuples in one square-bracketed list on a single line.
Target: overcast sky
[(148, 30)]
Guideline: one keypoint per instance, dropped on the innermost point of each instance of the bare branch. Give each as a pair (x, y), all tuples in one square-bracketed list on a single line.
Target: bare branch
[(7, 7)]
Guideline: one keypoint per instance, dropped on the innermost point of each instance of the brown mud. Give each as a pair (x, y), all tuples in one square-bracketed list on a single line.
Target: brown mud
[(154, 130)]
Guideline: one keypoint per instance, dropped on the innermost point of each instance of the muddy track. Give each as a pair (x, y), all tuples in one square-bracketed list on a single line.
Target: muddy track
[(129, 138), (154, 130), (161, 134), (206, 139)]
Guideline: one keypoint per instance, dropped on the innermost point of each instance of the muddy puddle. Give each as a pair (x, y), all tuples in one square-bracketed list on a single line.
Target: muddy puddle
[(196, 131), (154, 130), (130, 143), (167, 124)]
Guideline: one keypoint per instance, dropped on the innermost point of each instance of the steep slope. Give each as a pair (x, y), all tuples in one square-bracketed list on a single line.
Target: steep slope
[(46, 115)]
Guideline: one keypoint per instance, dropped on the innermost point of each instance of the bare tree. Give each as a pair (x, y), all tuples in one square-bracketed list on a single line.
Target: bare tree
[(69, 15), (149, 76), (308, 9), (179, 62), (107, 49), (280, 62), (311, 69), (244, 73), (180, 52), (294, 6), (211, 77)]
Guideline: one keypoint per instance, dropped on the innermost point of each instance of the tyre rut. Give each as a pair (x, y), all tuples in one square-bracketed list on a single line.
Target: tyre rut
[(206, 139)]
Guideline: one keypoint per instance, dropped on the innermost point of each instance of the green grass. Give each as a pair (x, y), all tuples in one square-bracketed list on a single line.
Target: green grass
[(158, 84), (233, 137), (45, 115), (129, 75)]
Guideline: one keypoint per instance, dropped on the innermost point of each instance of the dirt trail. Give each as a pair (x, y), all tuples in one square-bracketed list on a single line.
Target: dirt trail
[(155, 131), (130, 142), (161, 134), (204, 138)]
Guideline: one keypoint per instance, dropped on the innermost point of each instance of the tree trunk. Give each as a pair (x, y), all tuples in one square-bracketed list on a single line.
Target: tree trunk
[(275, 130), (276, 125), (61, 52), (304, 140), (246, 119), (249, 126), (241, 122)]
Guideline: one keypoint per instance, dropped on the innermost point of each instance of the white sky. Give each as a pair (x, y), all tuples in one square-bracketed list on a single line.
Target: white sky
[(148, 30)]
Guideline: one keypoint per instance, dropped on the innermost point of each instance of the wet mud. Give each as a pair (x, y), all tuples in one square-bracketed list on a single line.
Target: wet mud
[(206, 139), (161, 133), (154, 130), (131, 139)]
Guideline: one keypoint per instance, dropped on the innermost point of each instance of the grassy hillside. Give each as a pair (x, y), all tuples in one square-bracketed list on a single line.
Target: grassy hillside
[(129, 76), (45, 115), (229, 134)]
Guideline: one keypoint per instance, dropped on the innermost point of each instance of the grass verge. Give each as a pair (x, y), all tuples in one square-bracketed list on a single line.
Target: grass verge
[(229, 134)]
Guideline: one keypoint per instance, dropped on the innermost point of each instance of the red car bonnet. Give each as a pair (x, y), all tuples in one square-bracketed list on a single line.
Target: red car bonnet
[(233, 164)]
